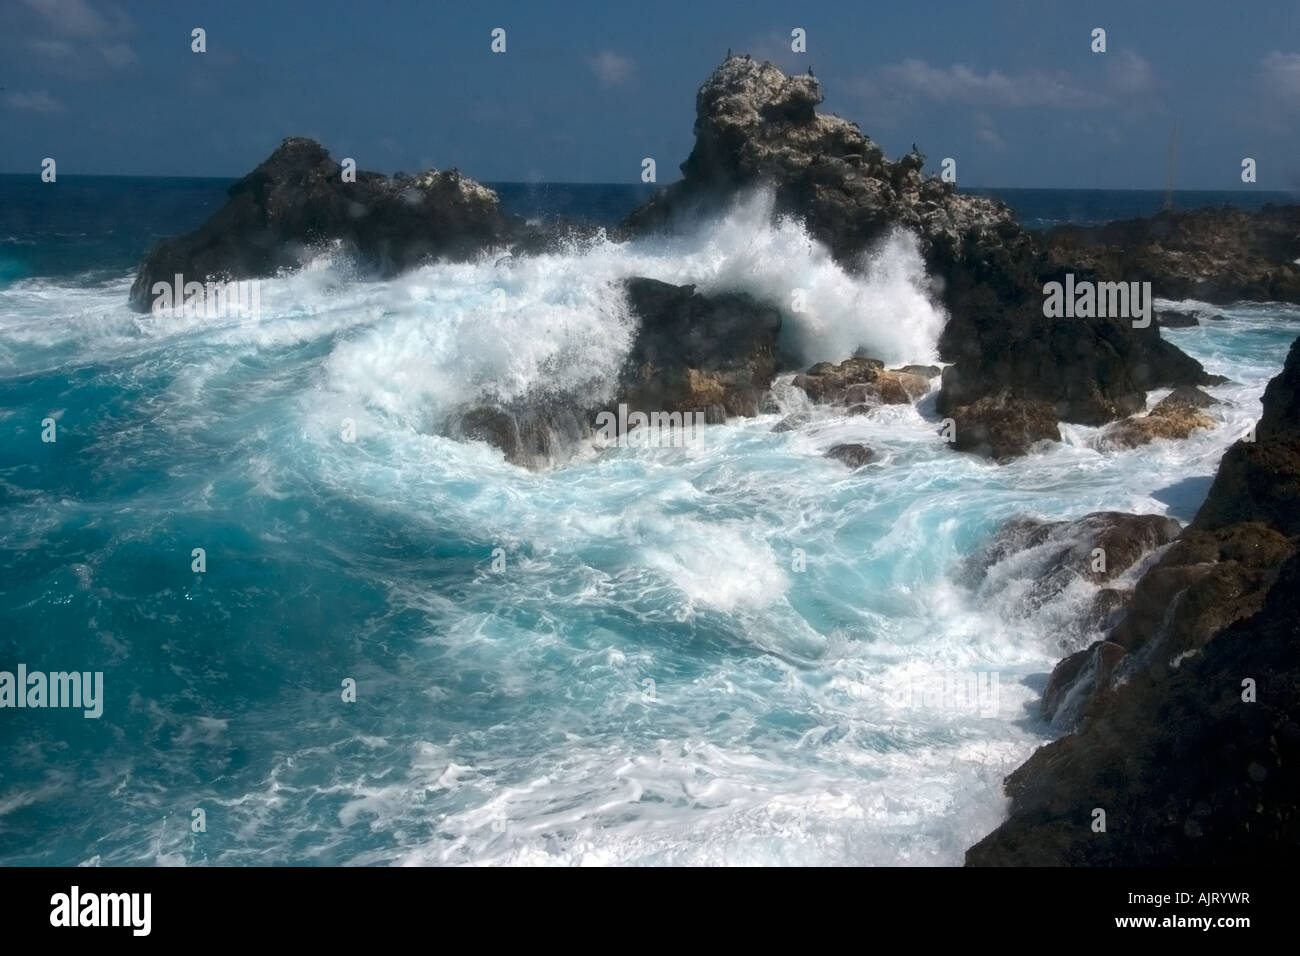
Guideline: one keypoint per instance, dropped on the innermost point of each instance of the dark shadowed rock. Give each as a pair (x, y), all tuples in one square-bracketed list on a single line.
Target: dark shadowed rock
[(792, 421), (1186, 395), (1189, 736), (1002, 427), (1219, 255), (692, 353), (296, 202), (925, 371), (1171, 319), (1051, 555)]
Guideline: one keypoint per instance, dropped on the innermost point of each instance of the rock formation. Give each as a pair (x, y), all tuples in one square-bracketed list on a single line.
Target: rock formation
[(1216, 255), (711, 354), (1188, 713), (296, 202), (1014, 373)]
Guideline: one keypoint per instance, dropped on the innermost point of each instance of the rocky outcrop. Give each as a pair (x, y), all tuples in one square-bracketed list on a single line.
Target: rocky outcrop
[(692, 352), (1216, 255), (1175, 417), (711, 355), (861, 381), (755, 126), (1096, 549), (1188, 714), (296, 202), (1002, 426)]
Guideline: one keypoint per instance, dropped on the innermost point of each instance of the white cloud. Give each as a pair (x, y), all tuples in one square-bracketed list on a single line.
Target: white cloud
[(987, 134), (610, 68), (1127, 74), (119, 54), (39, 101), (961, 84), (1281, 73), (71, 17), (55, 49)]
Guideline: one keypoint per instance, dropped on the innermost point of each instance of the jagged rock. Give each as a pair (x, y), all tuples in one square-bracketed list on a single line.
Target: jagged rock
[(755, 126), (1054, 554), (1186, 395), (925, 371), (853, 455), (1175, 416), (1002, 427), (1172, 748), (1077, 676), (296, 201), (1168, 740), (1170, 422), (861, 381), (829, 384), (1218, 255), (694, 351), (714, 355)]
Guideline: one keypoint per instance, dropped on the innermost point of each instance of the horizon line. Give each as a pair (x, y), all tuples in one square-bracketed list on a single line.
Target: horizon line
[(584, 182)]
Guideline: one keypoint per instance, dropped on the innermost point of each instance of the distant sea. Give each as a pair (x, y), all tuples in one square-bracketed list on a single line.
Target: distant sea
[(105, 224)]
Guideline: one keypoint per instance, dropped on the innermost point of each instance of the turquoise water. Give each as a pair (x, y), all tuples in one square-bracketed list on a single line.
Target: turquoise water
[(650, 678)]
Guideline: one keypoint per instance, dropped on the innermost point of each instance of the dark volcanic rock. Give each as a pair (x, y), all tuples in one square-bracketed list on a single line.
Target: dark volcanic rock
[(1177, 320), (1187, 395), (861, 381), (1175, 416), (296, 201), (695, 351), (755, 126), (853, 455), (1053, 554), (1216, 255), (711, 354), (1189, 735), (1002, 427), (1187, 771)]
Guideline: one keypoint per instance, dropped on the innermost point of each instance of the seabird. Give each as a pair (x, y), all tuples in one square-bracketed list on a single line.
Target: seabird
[(810, 72)]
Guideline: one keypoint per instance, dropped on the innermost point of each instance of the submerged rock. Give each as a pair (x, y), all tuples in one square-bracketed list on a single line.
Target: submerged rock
[(853, 455)]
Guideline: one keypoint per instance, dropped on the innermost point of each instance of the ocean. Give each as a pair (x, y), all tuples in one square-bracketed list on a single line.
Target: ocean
[(723, 653)]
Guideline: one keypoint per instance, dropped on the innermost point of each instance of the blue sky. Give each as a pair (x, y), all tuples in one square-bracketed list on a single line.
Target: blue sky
[(1009, 89)]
